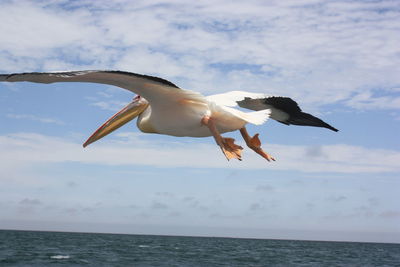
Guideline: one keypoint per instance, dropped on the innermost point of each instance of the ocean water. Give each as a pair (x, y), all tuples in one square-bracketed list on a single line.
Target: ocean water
[(29, 248)]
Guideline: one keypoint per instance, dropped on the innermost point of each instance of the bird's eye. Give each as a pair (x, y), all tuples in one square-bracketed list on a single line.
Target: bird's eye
[(136, 97)]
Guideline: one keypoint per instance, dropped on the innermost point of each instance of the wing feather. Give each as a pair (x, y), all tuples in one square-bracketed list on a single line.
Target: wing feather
[(230, 99), (284, 110), (112, 77), (147, 86)]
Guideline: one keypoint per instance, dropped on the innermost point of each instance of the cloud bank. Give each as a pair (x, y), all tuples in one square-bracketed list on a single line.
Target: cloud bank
[(344, 52), (26, 149)]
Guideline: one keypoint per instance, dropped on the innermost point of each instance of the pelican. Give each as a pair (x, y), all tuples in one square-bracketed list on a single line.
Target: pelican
[(161, 107)]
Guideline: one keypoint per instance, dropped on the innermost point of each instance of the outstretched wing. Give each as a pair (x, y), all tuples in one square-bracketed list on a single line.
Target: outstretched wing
[(283, 109), (147, 86)]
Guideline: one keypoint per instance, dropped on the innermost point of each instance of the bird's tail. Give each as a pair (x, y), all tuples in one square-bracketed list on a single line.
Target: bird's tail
[(257, 117)]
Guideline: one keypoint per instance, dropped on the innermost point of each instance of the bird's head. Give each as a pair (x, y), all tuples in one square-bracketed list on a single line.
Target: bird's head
[(128, 113)]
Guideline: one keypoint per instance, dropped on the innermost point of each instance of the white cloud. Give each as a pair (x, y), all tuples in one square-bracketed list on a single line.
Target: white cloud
[(366, 101), (34, 118), (34, 31), (109, 105), (390, 214), (320, 52), (25, 149), (103, 99), (28, 201)]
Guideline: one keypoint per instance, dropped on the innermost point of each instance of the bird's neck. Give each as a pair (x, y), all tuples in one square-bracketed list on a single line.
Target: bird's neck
[(143, 121)]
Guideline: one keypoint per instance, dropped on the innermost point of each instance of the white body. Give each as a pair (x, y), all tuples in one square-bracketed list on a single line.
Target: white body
[(183, 117)]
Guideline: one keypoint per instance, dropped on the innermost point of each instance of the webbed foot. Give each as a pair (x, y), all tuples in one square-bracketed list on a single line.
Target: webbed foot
[(230, 149), (255, 144), (227, 145)]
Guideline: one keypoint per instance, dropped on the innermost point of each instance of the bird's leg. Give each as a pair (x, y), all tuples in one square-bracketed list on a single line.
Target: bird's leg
[(227, 145), (255, 144)]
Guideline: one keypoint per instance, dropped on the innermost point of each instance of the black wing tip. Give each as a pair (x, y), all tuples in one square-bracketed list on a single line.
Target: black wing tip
[(9, 77), (4, 77), (332, 128), (306, 119), (327, 126)]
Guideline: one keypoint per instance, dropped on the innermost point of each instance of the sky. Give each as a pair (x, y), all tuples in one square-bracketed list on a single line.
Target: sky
[(340, 60)]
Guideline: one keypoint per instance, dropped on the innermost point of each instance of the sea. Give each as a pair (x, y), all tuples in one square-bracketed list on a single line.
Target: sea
[(34, 248)]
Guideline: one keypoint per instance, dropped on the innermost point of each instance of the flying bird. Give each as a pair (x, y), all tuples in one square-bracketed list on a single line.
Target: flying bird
[(161, 107)]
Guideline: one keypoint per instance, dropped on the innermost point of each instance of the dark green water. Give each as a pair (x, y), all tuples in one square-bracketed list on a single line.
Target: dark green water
[(26, 248)]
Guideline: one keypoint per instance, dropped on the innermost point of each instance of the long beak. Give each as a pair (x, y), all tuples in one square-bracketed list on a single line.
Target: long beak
[(128, 113)]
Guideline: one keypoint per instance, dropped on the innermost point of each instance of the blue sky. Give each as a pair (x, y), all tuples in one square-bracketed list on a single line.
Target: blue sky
[(338, 59)]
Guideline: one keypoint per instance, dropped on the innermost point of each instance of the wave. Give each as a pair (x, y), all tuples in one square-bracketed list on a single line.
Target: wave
[(59, 257)]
